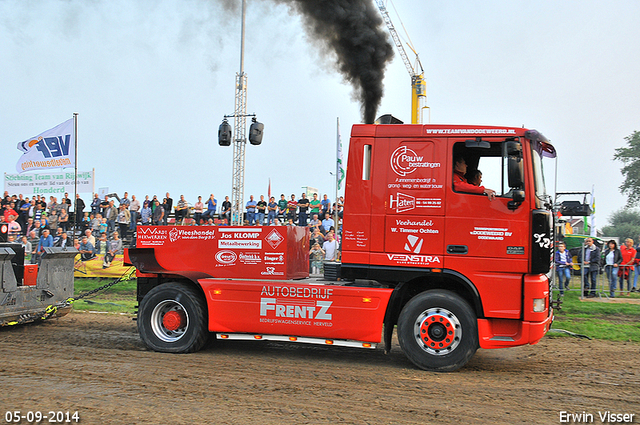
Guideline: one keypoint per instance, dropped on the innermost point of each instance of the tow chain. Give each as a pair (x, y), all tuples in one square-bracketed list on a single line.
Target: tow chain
[(50, 310)]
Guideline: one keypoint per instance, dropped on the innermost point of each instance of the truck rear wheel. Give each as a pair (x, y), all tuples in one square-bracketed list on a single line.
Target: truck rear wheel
[(437, 331), (173, 319)]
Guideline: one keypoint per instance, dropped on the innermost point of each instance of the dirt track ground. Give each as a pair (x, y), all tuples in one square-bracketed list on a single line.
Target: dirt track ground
[(96, 364)]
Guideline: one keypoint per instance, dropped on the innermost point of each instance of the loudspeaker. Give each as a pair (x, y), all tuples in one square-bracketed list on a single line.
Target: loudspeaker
[(224, 134), (575, 208), (255, 133)]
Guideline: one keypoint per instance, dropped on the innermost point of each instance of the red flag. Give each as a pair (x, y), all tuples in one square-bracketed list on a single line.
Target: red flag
[(269, 190)]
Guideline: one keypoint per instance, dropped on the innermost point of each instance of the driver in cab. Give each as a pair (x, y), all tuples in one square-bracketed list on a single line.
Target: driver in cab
[(460, 183)]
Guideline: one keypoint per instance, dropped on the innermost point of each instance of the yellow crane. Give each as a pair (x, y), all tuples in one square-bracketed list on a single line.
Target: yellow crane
[(418, 85)]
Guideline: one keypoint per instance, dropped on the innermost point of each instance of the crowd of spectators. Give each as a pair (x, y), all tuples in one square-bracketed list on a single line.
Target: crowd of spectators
[(39, 222), (620, 265)]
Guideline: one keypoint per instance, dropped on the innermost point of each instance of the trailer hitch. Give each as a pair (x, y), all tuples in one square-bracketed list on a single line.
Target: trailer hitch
[(557, 304)]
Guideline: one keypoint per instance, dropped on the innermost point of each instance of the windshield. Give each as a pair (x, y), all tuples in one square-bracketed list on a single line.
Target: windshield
[(538, 176), (540, 147)]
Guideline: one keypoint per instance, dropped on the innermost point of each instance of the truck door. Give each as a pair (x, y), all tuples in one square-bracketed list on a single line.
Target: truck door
[(413, 180), (488, 240)]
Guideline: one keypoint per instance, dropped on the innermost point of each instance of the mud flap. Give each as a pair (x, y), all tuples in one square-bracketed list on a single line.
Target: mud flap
[(9, 282)]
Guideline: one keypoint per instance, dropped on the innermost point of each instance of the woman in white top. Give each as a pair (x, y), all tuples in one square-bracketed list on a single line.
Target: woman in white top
[(611, 260)]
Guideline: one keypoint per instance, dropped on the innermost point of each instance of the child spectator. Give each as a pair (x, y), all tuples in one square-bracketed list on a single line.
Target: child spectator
[(316, 256), (103, 227)]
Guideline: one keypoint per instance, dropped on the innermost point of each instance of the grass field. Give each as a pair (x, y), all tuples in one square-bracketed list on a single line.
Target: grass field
[(120, 298), (595, 319), (599, 318)]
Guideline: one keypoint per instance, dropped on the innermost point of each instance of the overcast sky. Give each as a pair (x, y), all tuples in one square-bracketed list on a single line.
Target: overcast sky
[(151, 81)]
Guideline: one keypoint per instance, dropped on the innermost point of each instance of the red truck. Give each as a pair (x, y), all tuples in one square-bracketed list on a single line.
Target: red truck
[(452, 268)]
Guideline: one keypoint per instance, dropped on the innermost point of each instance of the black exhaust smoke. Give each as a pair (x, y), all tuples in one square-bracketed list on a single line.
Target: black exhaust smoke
[(353, 31)]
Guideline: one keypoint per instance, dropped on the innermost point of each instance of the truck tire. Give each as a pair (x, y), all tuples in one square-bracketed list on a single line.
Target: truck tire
[(172, 318), (438, 331)]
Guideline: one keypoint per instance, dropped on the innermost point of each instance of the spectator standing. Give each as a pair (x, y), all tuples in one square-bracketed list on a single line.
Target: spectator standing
[(78, 210), (63, 220), (198, 210), (123, 219), (95, 204), (251, 211), (272, 207), (158, 214), (125, 200), (225, 212), (326, 205), (52, 219), (33, 240), (96, 221), (292, 206), (303, 207), (282, 209), (14, 228), (134, 210), (29, 227), (66, 202), (626, 266), (261, 207), (611, 260), (111, 214), (145, 214), (10, 210), (591, 266), (167, 203), (563, 266), (24, 241), (23, 212), (636, 269), (316, 256), (330, 247), (315, 205), (104, 205)]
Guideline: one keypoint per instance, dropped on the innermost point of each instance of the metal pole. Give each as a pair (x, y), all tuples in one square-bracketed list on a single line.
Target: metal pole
[(336, 221), (239, 144), (75, 172)]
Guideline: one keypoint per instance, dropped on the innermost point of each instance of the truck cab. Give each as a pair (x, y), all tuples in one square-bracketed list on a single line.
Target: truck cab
[(408, 223)]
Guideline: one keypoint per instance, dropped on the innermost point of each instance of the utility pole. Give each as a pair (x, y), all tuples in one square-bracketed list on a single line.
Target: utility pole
[(240, 141)]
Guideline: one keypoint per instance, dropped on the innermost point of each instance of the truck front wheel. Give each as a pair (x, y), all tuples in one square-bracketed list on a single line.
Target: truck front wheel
[(173, 319), (437, 331)]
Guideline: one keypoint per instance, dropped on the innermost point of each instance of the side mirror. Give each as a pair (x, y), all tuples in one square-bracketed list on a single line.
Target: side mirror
[(515, 172), (515, 169), (517, 199)]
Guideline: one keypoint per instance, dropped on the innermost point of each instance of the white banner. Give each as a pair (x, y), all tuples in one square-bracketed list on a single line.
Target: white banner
[(51, 149), (49, 183)]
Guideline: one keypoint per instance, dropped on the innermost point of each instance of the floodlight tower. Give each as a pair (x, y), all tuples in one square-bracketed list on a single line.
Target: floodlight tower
[(239, 143)]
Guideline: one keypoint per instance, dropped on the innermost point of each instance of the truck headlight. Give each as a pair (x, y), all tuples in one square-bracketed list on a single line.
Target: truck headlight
[(539, 305)]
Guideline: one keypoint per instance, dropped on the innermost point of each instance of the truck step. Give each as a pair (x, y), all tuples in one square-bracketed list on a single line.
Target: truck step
[(305, 340)]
